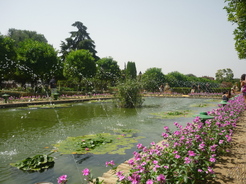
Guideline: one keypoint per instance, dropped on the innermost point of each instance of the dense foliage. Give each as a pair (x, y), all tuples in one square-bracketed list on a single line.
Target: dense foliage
[(26, 58), (79, 64), (78, 40), (108, 72), (131, 71), (36, 60), (236, 14), (22, 35), (224, 75), (128, 94), (8, 57), (152, 79)]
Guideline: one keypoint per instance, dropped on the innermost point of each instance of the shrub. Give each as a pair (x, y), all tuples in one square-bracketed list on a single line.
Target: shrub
[(128, 94)]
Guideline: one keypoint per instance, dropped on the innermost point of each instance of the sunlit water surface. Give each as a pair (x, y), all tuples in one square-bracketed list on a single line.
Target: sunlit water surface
[(25, 132)]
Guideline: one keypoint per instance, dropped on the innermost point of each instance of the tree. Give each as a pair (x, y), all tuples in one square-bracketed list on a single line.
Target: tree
[(236, 14), (79, 65), (177, 79), (36, 60), (8, 58), (108, 71), (78, 40), (21, 35), (131, 71), (152, 79), (224, 75)]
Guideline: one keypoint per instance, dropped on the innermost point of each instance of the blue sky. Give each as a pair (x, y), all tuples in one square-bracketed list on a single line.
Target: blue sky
[(192, 37)]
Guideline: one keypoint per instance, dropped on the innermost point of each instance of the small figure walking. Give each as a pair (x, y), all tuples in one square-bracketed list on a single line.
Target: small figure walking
[(52, 86)]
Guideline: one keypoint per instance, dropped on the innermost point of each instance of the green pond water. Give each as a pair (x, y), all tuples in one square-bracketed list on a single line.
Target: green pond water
[(26, 132)]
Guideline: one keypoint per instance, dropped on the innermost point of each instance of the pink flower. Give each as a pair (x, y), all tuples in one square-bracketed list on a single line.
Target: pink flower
[(134, 178), (177, 133), (191, 153), (212, 159), (111, 163), (213, 147), (149, 181), (228, 138), (155, 162), (161, 178), (62, 179), (210, 170), (139, 146), (187, 160), (131, 162), (120, 175), (177, 156), (152, 143), (166, 128), (202, 145), (221, 141), (86, 172), (165, 135)]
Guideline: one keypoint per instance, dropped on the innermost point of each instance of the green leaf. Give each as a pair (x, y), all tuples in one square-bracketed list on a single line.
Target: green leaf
[(35, 163)]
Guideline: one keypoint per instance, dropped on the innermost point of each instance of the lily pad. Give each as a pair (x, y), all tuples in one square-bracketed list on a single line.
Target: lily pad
[(172, 114), (97, 144), (35, 163)]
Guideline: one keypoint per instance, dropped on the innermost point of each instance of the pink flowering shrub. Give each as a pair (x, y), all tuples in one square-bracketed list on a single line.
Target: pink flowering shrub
[(189, 153)]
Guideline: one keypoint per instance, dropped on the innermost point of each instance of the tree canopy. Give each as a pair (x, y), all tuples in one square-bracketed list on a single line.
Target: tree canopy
[(108, 70), (131, 71), (7, 57), (236, 14), (21, 35), (224, 75), (78, 40), (78, 65), (152, 79), (35, 60)]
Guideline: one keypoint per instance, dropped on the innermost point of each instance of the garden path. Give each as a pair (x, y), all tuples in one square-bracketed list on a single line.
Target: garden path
[(231, 169)]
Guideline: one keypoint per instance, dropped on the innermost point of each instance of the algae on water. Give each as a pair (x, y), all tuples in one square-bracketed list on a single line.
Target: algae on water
[(172, 114), (98, 143)]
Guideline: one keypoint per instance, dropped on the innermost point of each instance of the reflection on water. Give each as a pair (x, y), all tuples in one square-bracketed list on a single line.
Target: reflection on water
[(26, 132)]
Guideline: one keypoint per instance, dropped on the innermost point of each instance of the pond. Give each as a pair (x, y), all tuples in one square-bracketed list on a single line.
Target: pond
[(26, 132)]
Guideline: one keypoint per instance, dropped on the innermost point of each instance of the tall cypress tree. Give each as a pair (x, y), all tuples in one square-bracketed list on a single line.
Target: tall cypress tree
[(131, 71)]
